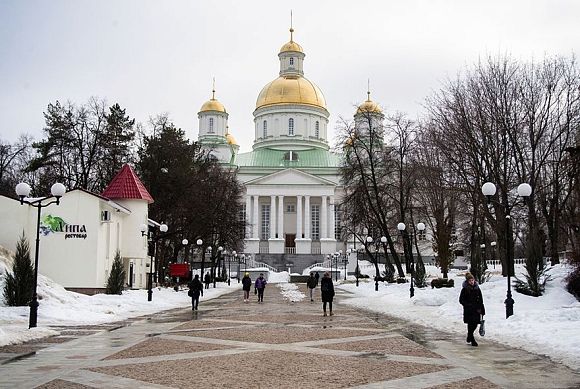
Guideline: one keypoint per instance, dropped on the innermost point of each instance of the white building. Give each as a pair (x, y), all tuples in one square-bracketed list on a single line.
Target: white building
[(291, 176), (80, 236)]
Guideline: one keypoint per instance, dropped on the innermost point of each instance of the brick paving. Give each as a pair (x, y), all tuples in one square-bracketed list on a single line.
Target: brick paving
[(277, 344)]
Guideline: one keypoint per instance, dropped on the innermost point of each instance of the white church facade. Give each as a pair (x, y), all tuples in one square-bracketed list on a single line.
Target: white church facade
[(291, 176)]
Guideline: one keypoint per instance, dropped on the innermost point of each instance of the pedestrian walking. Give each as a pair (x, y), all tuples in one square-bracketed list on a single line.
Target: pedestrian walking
[(195, 288), (260, 286), (327, 292), (207, 280), (473, 308), (311, 284), (246, 286), (317, 276)]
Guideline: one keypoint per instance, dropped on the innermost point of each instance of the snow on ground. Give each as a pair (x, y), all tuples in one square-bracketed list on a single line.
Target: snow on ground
[(290, 292), (548, 325)]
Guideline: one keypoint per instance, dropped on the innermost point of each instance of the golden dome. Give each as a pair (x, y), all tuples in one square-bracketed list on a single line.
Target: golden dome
[(212, 105), (291, 90), (231, 140), (291, 46), (369, 106)]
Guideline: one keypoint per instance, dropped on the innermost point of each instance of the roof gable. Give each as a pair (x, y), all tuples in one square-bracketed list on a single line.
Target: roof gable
[(290, 177), (126, 185)]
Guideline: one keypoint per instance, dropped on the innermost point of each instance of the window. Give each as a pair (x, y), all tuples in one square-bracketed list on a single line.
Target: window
[(317, 129), (290, 126), (291, 156), (242, 218), (315, 221), (290, 208), (291, 61), (265, 221), (265, 128), (211, 125), (421, 235)]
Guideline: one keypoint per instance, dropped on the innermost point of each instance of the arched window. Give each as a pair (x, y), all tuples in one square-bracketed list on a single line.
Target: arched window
[(290, 126), (211, 125), (291, 61), (317, 129), (265, 128)]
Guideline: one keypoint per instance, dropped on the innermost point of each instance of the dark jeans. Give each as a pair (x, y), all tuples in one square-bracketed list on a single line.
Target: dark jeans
[(329, 306), (261, 294), (195, 301), (471, 329), (207, 285)]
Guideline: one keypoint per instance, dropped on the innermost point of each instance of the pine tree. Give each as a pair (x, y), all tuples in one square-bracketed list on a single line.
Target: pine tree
[(19, 283), (116, 281)]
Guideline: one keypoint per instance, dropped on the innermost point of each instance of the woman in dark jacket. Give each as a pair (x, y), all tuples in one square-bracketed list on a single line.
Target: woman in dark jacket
[(246, 285), (195, 288), (473, 308), (327, 292)]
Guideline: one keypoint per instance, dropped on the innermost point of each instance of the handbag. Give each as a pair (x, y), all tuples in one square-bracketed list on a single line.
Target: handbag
[(482, 327), (190, 293)]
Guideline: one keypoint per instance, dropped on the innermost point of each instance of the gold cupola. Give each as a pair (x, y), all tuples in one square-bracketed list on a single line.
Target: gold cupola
[(291, 46), (230, 138), (212, 104), (369, 106)]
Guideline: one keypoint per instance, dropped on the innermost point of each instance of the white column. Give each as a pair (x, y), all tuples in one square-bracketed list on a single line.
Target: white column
[(255, 218), (281, 217), (331, 226), (298, 217), (272, 217), (249, 222), (307, 217), (323, 219)]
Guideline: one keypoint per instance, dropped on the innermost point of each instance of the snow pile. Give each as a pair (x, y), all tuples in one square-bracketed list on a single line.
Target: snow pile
[(532, 327), (291, 293)]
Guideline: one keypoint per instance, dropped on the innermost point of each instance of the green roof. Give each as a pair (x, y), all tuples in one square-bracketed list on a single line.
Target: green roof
[(313, 158)]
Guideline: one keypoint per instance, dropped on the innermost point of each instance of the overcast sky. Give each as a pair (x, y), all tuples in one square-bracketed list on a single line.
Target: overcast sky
[(153, 57)]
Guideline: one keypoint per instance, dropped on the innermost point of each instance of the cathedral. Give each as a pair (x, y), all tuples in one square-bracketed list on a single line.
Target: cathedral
[(291, 177)]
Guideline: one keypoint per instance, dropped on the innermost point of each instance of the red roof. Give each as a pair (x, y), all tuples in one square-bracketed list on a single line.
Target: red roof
[(126, 185)]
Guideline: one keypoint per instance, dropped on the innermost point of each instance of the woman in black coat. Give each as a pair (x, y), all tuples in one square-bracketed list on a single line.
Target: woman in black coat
[(473, 308), (327, 292)]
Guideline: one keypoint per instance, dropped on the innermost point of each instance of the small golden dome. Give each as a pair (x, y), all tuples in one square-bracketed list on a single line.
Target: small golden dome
[(291, 90), (212, 105), (291, 46), (231, 140), (369, 106)]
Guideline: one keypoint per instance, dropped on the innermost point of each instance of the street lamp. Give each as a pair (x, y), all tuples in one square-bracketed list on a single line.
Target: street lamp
[(524, 190), (217, 269), (345, 260), (23, 191), (368, 245), (401, 227), (199, 243), (229, 257), (153, 238)]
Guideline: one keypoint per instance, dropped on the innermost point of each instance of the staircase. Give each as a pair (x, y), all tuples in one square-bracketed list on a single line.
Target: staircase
[(281, 261)]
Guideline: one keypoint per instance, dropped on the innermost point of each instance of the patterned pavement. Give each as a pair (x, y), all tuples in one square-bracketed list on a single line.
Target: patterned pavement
[(277, 344)]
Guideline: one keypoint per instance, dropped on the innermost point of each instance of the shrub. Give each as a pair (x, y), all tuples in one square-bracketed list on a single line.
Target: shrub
[(116, 281), (573, 282), (442, 283), (20, 283)]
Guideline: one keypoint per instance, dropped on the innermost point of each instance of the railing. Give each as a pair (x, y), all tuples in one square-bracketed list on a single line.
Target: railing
[(319, 264), (290, 250), (253, 263)]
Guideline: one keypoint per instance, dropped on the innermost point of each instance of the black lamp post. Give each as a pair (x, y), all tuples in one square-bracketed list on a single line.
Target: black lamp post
[(23, 191), (524, 190), (153, 238), (229, 257), (345, 260), (493, 244), (235, 255), (217, 269), (402, 228), (357, 269)]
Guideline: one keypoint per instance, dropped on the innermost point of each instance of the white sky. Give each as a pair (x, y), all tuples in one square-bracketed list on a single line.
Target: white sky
[(153, 57)]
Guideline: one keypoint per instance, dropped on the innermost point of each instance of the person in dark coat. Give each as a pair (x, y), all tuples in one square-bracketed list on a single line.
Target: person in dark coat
[(260, 286), (246, 286), (311, 284), (473, 308), (207, 280), (317, 276), (327, 292), (195, 288)]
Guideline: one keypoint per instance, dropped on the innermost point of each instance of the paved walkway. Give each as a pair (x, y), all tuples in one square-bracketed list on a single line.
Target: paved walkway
[(277, 344)]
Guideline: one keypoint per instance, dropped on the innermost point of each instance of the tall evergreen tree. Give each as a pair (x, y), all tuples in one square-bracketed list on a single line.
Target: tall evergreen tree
[(116, 281), (20, 283)]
